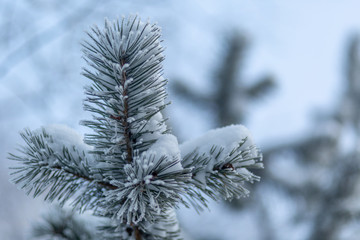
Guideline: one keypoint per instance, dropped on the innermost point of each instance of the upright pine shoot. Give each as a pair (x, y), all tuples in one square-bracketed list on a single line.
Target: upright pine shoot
[(131, 170)]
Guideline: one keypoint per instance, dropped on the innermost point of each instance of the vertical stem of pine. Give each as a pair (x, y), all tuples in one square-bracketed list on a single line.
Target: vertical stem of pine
[(137, 233), (127, 132), (125, 122)]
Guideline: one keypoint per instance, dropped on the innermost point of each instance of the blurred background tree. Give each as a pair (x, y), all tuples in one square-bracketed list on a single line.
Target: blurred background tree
[(323, 167), (320, 171), (232, 95)]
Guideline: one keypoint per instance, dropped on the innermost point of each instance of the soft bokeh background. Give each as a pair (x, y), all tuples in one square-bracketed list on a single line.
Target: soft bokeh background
[(302, 44)]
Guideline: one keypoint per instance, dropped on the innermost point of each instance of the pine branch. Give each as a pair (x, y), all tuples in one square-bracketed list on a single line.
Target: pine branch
[(220, 168), (188, 93), (261, 88), (126, 98), (63, 170)]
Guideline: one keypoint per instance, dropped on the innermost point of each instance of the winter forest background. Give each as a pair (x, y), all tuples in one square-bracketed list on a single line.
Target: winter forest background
[(289, 71)]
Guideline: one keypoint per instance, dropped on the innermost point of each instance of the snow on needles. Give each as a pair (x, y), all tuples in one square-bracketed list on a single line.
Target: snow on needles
[(220, 160), (155, 181)]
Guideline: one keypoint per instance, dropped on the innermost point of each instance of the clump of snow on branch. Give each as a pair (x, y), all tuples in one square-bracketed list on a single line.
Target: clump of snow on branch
[(64, 135), (220, 160), (59, 136)]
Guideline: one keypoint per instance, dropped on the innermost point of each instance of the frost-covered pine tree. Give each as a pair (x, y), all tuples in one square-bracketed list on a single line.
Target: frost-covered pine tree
[(130, 169)]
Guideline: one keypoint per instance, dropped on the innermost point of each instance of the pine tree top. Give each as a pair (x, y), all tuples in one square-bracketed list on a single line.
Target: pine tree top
[(131, 169)]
